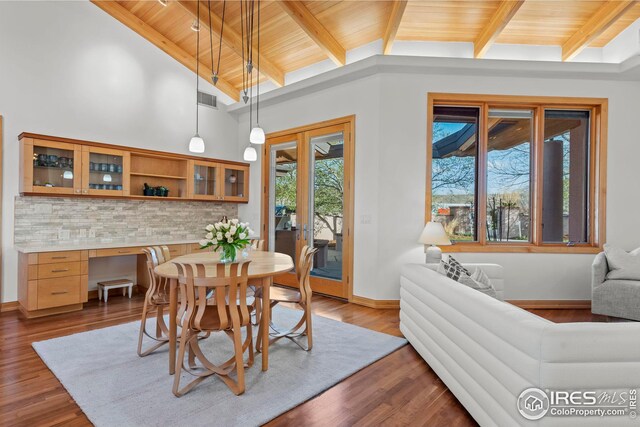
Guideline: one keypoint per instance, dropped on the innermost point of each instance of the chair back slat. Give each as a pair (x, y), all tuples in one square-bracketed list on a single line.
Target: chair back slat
[(303, 272), (229, 296)]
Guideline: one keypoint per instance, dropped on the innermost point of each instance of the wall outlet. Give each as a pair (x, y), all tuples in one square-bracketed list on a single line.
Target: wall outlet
[(365, 219), (64, 234), (92, 233), (82, 233)]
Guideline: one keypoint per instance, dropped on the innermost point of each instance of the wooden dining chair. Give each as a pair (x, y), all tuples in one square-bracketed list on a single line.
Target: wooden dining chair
[(256, 244), (223, 310), (301, 296), (156, 299)]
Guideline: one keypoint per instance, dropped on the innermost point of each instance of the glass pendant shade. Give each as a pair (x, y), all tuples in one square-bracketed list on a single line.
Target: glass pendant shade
[(257, 135), (196, 145), (250, 154)]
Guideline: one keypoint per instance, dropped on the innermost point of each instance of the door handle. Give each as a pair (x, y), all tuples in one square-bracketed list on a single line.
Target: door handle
[(304, 231)]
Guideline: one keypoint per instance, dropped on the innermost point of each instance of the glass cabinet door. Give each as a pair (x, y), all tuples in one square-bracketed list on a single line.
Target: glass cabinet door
[(104, 171), (54, 165), (236, 183), (205, 181)]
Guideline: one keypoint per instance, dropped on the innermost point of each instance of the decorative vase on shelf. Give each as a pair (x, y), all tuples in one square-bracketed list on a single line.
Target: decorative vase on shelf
[(228, 238)]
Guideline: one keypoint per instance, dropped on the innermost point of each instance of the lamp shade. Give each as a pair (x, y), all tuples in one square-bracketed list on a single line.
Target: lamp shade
[(196, 145), (434, 234), (250, 154), (257, 135)]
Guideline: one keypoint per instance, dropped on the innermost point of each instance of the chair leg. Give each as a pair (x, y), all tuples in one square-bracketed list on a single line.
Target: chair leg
[(237, 346), (182, 348), (143, 324), (308, 328)]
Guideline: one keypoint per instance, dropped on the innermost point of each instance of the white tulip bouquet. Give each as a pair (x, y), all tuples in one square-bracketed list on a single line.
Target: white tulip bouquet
[(228, 236)]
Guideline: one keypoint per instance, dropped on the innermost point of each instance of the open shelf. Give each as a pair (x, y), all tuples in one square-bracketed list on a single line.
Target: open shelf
[(152, 175)]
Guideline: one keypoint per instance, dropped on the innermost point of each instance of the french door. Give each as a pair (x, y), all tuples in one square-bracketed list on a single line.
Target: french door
[(308, 201)]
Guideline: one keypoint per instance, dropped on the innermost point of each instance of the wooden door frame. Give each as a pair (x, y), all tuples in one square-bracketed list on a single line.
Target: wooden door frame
[(349, 177)]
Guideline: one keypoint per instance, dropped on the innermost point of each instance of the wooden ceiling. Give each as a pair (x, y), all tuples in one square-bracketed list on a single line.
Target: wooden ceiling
[(295, 34)]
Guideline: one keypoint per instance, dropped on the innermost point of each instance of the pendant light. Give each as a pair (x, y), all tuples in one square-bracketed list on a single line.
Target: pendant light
[(250, 153), (257, 133), (196, 145)]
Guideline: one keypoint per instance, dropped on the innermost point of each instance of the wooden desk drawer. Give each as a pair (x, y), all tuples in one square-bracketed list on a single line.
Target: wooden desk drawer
[(118, 251), (51, 257), (195, 247), (177, 250), (58, 292), (59, 269)]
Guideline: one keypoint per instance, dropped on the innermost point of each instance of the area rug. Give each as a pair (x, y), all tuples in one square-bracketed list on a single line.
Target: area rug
[(115, 387)]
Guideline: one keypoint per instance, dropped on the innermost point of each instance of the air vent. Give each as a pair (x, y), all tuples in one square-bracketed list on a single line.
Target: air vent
[(207, 100)]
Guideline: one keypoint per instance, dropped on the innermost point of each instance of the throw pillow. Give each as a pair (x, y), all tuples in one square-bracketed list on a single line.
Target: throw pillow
[(456, 273), (623, 265), (457, 264)]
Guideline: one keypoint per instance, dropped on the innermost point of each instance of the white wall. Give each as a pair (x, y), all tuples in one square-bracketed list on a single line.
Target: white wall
[(390, 173), (69, 69)]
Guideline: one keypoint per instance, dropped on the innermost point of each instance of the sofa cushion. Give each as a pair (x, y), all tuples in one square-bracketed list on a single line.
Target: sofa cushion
[(455, 263), (622, 265)]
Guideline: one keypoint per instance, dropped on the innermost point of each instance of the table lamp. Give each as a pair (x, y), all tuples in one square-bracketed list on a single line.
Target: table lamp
[(432, 235)]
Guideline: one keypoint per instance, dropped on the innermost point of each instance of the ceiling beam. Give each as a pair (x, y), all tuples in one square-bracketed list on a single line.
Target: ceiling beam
[(604, 17), (494, 27), (233, 40), (145, 30), (314, 29), (397, 11)]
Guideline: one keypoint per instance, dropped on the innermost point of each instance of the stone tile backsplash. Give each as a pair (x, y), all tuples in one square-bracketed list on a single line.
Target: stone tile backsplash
[(59, 219)]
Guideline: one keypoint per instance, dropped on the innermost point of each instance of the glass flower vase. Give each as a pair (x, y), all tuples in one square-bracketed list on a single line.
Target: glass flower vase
[(228, 254)]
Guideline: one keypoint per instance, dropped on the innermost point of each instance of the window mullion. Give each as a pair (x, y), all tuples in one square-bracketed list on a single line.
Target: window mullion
[(538, 156), (483, 136)]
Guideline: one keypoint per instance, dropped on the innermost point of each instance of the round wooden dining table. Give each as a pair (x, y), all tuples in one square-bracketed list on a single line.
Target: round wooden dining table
[(264, 265)]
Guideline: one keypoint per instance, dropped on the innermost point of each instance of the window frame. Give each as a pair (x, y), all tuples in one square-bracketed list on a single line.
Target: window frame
[(598, 108)]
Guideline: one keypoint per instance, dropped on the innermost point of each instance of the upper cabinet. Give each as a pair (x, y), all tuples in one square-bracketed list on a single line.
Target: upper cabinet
[(219, 181), (60, 166), (105, 172), (235, 183), (50, 167)]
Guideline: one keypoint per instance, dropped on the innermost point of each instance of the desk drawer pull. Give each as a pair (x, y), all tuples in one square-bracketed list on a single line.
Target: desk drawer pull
[(59, 293), (60, 271), (59, 257), (124, 252)]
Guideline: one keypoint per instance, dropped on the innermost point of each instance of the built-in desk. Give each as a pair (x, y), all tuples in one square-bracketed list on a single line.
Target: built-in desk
[(54, 279)]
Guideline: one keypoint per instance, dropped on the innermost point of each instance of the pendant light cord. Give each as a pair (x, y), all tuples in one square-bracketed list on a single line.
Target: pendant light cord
[(258, 95), (224, 8), (197, 65)]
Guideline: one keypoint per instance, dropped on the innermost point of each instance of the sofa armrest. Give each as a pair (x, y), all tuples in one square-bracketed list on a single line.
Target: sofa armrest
[(599, 270)]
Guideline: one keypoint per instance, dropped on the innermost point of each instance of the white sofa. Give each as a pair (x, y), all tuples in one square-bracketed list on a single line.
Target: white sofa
[(487, 351)]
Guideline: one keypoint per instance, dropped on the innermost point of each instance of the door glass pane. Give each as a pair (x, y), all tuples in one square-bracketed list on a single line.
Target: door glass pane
[(565, 190), (454, 170), (53, 167), (234, 182), (105, 172), (327, 204), (509, 175), (204, 180), (283, 199)]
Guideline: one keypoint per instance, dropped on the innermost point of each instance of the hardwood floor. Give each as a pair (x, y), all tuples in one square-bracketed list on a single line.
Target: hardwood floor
[(399, 389)]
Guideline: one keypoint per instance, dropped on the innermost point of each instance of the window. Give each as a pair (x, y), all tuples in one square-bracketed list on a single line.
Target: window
[(517, 174)]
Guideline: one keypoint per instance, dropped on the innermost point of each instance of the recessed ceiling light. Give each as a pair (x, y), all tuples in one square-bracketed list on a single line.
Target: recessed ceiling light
[(163, 2), (195, 26)]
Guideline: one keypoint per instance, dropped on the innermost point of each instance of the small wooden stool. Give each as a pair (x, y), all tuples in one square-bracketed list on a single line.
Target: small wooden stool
[(114, 284)]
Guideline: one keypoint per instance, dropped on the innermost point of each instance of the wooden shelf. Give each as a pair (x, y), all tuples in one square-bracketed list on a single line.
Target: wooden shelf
[(151, 175)]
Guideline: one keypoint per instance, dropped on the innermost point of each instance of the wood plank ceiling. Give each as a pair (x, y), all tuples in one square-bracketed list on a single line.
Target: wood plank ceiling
[(295, 34)]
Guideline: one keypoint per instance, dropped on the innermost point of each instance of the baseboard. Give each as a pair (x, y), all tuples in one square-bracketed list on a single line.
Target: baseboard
[(9, 306), (551, 304), (375, 303)]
